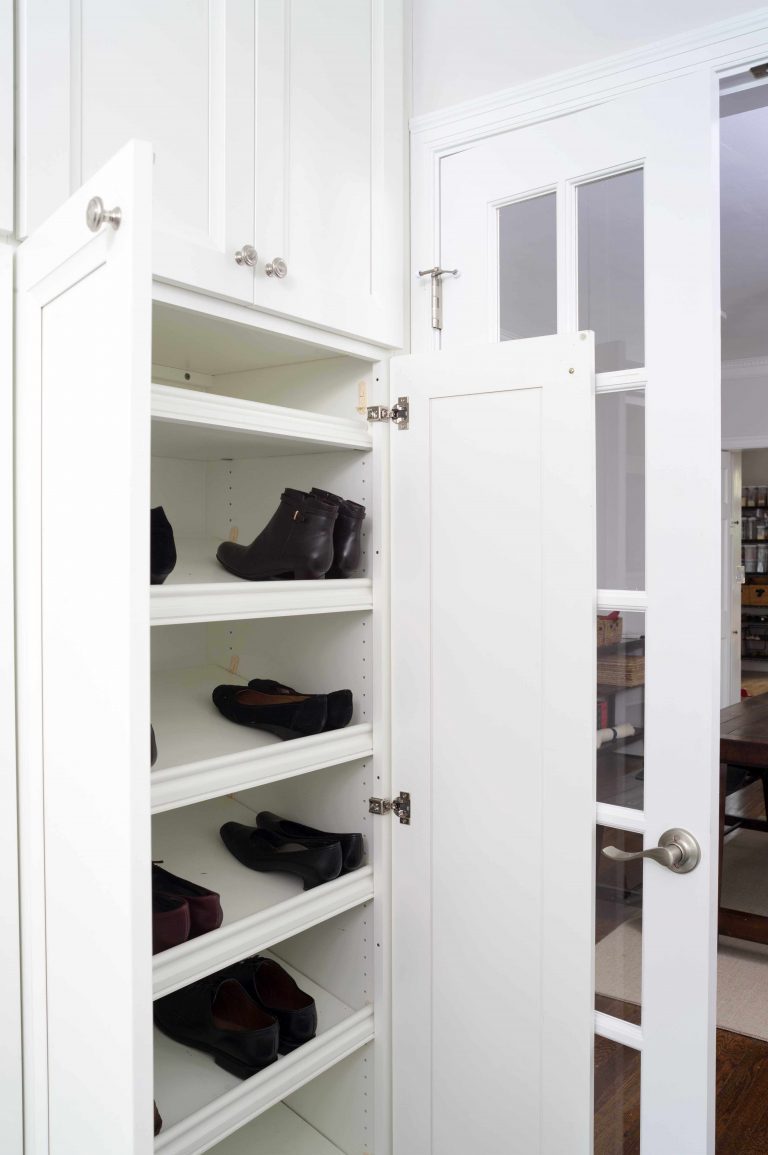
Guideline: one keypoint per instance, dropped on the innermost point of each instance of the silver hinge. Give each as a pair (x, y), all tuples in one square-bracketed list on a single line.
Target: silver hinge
[(398, 413), (401, 806)]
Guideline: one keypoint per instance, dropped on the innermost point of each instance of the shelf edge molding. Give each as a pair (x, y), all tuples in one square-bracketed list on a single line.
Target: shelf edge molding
[(217, 1120), (193, 782), (191, 407), (228, 601), (211, 952)]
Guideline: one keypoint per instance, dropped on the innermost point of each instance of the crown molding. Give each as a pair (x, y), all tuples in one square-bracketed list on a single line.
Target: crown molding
[(488, 114)]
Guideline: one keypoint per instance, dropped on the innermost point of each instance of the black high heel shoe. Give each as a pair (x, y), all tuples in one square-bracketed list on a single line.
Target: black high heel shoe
[(272, 854), (351, 844), (338, 702), (287, 716), (296, 543)]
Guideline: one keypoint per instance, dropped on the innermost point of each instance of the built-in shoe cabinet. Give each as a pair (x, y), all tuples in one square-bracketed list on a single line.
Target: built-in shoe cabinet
[(218, 466), (127, 405)]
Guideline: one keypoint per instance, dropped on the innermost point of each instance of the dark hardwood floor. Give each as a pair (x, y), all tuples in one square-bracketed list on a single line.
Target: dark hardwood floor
[(742, 1062)]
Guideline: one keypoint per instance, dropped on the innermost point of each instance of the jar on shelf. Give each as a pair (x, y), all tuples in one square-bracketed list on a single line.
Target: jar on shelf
[(762, 496), (762, 558), (749, 496), (750, 558)]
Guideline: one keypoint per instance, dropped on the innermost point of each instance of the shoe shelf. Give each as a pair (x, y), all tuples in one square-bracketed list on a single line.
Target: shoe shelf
[(201, 590), (203, 755), (280, 1131), (259, 909), (199, 426), (201, 1104)]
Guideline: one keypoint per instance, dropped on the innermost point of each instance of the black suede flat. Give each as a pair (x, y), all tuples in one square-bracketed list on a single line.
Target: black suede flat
[(351, 844), (338, 702), (287, 716)]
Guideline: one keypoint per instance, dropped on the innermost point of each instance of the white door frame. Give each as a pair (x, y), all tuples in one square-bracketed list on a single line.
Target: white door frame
[(711, 53), (730, 660)]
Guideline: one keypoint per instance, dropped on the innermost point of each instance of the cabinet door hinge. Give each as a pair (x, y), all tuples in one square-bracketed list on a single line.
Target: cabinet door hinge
[(401, 806), (398, 413)]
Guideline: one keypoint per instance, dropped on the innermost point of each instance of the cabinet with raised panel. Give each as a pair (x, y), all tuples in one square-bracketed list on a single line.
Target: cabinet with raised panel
[(277, 131)]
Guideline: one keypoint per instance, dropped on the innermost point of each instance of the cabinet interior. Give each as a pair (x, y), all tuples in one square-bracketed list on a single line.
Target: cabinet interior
[(218, 482)]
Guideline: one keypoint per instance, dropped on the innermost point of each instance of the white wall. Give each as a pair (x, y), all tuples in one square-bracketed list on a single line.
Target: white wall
[(745, 402), (463, 49)]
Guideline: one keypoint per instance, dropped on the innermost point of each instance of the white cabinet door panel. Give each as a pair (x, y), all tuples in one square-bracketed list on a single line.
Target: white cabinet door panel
[(492, 694), (82, 446)]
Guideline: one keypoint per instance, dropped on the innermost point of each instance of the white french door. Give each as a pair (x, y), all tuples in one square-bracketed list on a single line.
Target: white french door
[(607, 219)]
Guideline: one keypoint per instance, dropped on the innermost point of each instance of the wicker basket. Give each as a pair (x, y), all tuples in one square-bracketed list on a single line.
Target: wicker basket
[(621, 670), (609, 629)]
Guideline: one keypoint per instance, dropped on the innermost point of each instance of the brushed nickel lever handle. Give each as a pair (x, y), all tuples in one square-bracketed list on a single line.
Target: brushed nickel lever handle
[(96, 215), (678, 850)]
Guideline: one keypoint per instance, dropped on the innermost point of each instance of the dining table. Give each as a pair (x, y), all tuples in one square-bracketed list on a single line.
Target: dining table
[(743, 746)]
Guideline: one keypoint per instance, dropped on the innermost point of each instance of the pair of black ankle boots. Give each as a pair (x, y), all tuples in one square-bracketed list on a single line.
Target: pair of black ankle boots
[(310, 535)]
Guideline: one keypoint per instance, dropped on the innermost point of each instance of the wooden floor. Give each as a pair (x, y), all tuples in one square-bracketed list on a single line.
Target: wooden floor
[(742, 1062)]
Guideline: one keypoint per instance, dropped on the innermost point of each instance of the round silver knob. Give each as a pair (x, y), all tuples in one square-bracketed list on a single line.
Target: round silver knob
[(247, 256), (276, 268), (96, 215)]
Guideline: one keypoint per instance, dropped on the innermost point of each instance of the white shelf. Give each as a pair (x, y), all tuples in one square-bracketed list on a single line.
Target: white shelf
[(279, 1131), (203, 755), (201, 1104), (200, 590), (259, 909), (200, 426)]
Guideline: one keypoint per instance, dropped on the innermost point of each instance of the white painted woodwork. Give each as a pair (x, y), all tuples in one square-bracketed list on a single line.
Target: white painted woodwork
[(10, 1011), (669, 128), (280, 1132), (204, 592), (492, 682), (84, 328), (730, 588), (7, 118), (274, 124)]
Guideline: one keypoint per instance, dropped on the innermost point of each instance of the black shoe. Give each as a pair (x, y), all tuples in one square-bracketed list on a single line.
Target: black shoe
[(271, 853), (162, 551), (220, 1018), (351, 844), (295, 716), (338, 702), (347, 535), (296, 543), (152, 746), (269, 985)]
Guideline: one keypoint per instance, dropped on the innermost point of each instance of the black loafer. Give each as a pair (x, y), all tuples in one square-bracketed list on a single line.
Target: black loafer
[(270, 853), (351, 844), (277, 993), (338, 702), (220, 1018), (287, 716)]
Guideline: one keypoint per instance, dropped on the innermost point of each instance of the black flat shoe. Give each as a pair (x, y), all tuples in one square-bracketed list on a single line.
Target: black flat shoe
[(296, 543), (162, 547), (338, 702), (347, 534), (220, 1018), (269, 985), (271, 853), (293, 716), (351, 844)]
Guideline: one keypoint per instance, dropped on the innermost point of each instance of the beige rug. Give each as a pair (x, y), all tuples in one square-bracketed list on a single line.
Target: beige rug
[(742, 970)]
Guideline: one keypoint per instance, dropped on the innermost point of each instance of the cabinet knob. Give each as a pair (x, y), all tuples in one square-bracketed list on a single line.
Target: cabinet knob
[(247, 256), (96, 215), (276, 268)]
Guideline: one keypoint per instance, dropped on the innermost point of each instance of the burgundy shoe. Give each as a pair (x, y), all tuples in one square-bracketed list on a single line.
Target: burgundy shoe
[(205, 913), (170, 922)]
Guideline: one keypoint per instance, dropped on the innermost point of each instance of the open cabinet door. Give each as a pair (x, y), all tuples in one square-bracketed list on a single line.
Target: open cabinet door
[(493, 690), (82, 399)]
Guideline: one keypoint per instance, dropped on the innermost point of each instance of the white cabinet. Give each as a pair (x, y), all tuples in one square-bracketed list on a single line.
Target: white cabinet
[(97, 443), (275, 124)]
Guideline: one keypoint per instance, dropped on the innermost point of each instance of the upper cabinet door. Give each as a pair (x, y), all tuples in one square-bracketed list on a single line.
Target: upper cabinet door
[(82, 567), (180, 74), (329, 164)]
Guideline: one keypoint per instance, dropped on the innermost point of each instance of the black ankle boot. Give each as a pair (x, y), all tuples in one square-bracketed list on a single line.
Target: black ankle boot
[(296, 543), (162, 551), (347, 534)]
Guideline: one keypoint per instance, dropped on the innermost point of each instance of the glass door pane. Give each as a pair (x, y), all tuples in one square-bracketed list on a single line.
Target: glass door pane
[(528, 268)]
